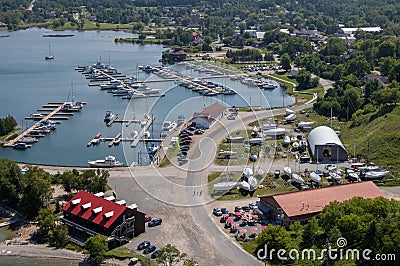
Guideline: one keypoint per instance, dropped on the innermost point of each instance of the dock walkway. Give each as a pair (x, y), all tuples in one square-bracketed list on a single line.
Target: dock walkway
[(141, 133), (26, 132)]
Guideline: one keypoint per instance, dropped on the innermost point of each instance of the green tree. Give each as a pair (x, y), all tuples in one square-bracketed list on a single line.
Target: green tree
[(58, 236), (305, 80), (10, 182), (285, 62), (97, 247), (46, 222), (170, 255), (36, 191)]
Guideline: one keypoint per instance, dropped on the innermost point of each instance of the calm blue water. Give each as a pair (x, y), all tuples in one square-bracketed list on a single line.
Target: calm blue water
[(28, 81)]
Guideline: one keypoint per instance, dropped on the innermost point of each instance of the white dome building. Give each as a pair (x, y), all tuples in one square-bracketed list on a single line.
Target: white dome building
[(325, 145)]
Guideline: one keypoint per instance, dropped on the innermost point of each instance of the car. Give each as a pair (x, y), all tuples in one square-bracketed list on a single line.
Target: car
[(149, 249), (191, 129), (154, 255), (253, 157), (331, 168), (253, 206), (155, 222), (147, 218), (238, 209), (143, 245), (225, 211), (199, 131), (217, 212), (230, 117), (246, 208)]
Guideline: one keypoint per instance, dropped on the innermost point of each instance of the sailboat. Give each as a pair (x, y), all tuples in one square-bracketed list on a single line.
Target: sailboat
[(50, 56)]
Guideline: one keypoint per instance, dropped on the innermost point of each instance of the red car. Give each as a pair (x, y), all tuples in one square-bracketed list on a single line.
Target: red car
[(147, 218)]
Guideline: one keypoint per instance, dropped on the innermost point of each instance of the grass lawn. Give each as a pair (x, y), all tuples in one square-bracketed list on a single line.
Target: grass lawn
[(10, 134), (123, 252), (171, 153)]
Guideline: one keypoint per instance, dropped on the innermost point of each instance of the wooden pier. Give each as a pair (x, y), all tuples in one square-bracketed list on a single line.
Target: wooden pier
[(26, 132), (141, 133), (109, 123), (112, 142)]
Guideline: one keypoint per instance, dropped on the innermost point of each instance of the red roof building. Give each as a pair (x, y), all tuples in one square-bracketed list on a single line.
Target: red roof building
[(302, 205), (90, 214)]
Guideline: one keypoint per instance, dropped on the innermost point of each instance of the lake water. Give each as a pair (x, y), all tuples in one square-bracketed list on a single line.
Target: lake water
[(28, 81)]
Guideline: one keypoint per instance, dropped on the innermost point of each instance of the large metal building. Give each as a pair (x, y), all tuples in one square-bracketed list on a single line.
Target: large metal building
[(325, 145)]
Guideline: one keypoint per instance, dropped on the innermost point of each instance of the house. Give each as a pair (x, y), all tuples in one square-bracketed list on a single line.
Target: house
[(89, 214), (289, 207), (325, 145), (352, 31), (207, 117), (177, 55)]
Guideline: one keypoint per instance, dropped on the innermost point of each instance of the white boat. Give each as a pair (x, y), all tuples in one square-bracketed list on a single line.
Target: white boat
[(112, 85), (108, 162), (121, 91), (351, 175), (28, 140), (286, 141), (295, 145), (247, 172), (95, 141), (255, 141), (289, 111), (50, 56), (305, 124), (287, 171), (297, 178), (109, 116), (334, 175), (227, 154), (21, 146), (290, 117), (181, 120), (269, 126), (234, 139), (117, 141), (133, 134), (275, 132), (147, 134), (314, 177), (374, 174)]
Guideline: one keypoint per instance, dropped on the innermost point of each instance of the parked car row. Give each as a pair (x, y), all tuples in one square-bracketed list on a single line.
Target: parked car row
[(241, 209), (148, 248)]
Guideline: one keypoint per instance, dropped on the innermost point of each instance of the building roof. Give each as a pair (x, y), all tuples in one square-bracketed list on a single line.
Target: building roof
[(213, 111), (314, 200), (323, 135), (94, 209)]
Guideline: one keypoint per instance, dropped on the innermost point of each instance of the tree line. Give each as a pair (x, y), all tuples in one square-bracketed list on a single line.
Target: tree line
[(7, 125), (364, 224)]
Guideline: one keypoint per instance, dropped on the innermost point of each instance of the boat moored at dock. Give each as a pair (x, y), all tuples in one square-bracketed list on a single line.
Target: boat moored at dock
[(108, 162)]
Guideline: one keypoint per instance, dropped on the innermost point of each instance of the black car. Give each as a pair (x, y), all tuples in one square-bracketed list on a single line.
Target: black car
[(154, 255), (155, 222), (149, 249), (225, 211), (246, 208), (143, 245)]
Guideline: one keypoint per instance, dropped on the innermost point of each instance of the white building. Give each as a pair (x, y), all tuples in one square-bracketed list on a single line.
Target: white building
[(206, 117), (325, 145)]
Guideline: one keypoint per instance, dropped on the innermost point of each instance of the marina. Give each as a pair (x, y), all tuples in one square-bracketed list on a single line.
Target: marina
[(39, 126), (40, 80)]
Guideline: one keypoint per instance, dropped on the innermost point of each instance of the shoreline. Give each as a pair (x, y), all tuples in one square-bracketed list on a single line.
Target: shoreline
[(40, 251)]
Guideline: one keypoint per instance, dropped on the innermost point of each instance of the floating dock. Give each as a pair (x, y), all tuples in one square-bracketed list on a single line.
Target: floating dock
[(141, 133), (56, 114)]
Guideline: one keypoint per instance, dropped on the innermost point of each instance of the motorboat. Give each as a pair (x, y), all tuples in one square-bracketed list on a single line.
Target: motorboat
[(275, 132), (269, 126), (21, 146), (305, 124), (315, 177), (28, 140), (295, 145), (351, 175), (120, 92), (108, 162), (227, 154), (133, 134), (234, 139), (146, 134), (109, 116), (117, 140), (286, 141), (372, 172), (334, 175), (297, 178), (287, 171), (168, 125), (289, 111), (113, 84), (290, 117), (256, 141)]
